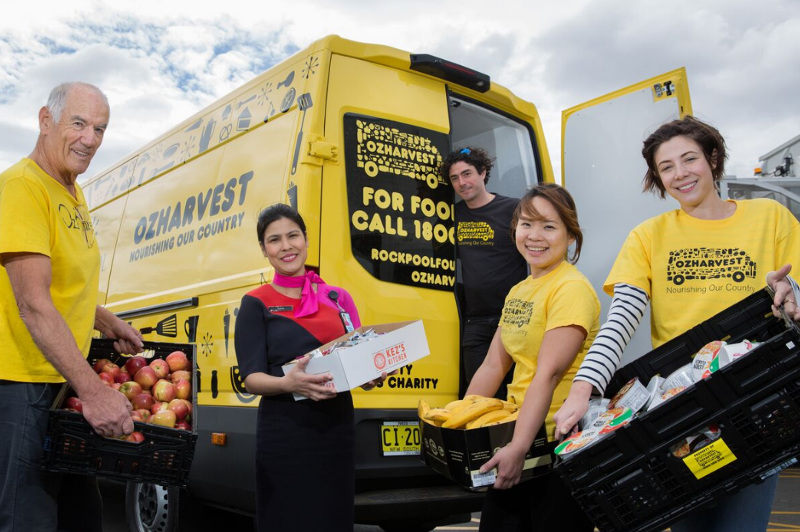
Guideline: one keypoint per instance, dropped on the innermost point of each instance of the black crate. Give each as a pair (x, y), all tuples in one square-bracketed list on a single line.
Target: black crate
[(629, 481), (164, 457)]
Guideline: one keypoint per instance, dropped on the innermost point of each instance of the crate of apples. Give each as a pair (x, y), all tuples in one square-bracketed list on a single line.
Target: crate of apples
[(159, 390)]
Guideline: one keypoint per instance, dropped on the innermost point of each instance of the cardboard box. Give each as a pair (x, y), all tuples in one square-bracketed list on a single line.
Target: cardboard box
[(458, 454), (398, 344)]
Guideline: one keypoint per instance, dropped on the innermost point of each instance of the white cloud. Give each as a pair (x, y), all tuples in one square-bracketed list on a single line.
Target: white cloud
[(160, 62)]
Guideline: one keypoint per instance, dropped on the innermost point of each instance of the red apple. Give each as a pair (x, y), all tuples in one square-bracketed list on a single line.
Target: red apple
[(116, 385), (144, 413), (183, 389), (136, 416), (74, 404), (180, 409), (189, 406), (142, 401), (107, 379), (135, 437), (122, 377), (158, 407), (178, 361), (98, 365), (110, 368), (146, 376), (134, 364), (164, 391), (160, 367), (182, 425), (130, 389), (181, 374), (165, 418)]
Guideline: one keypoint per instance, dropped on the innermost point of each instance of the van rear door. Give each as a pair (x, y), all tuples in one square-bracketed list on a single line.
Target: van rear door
[(603, 168)]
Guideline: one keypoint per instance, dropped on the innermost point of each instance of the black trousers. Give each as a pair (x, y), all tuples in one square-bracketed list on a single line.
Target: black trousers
[(476, 337), (542, 504)]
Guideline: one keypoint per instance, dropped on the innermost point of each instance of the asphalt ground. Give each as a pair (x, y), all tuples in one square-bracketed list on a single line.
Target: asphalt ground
[(785, 511)]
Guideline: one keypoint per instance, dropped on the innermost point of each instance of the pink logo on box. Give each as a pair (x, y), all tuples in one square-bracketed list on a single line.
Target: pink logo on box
[(393, 356)]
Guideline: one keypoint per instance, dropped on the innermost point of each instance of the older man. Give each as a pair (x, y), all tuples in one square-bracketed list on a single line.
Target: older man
[(49, 271)]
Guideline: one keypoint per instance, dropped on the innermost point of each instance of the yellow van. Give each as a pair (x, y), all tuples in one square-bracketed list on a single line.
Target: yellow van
[(352, 135)]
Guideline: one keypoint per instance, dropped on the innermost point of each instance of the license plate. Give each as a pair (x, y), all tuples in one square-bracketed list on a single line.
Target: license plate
[(400, 438)]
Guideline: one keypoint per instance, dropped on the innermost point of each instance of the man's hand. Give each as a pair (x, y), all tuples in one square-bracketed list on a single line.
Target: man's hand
[(129, 341), (107, 411)]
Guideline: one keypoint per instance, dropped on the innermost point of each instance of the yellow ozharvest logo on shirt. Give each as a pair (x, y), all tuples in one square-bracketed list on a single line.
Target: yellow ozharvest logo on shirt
[(475, 231)]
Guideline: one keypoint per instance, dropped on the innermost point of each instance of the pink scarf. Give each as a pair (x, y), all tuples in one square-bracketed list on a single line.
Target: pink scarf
[(308, 298)]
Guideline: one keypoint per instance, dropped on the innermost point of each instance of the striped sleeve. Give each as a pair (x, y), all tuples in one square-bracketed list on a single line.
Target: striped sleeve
[(605, 354)]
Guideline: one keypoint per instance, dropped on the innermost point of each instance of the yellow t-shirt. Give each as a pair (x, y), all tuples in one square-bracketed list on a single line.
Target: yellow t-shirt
[(561, 298), (38, 215), (692, 269)]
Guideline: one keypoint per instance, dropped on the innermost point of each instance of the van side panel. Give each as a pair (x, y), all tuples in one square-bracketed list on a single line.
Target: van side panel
[(363, 98)]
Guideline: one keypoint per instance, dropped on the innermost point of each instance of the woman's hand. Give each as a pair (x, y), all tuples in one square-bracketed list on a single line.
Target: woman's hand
[(367, 386), (509, 462), (784, 295), (573, 409), (315, 387)]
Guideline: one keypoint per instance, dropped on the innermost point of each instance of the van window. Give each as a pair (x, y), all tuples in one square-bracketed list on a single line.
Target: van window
[(504, 138)]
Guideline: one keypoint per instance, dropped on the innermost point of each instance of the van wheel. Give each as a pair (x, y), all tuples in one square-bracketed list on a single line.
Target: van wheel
[(151, 508)]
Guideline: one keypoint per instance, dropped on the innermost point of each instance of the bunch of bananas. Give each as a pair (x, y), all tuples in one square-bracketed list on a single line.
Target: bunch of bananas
[(471, 412)]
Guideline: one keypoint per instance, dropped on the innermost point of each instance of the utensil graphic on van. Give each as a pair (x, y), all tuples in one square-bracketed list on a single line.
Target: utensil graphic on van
[(166, 327), (303, 102), (287, 81)]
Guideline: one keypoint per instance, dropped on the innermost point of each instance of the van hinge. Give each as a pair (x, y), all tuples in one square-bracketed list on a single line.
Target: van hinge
[(322, 149)]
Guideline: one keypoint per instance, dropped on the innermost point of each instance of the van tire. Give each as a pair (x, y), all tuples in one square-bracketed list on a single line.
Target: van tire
[(151, 508)]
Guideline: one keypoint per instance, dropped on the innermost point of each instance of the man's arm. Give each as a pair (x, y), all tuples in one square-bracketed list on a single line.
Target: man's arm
[(129, 340), (104, 408)]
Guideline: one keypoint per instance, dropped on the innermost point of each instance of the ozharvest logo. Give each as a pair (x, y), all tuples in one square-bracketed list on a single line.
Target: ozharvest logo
[(78, 218), (475, 231), (709, 263), (391, 356)]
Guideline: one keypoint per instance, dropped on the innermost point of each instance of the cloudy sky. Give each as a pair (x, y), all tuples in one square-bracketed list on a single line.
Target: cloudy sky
[(161, 61)]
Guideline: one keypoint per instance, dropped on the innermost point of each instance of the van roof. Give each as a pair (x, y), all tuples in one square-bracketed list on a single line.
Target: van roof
[(497, 96)]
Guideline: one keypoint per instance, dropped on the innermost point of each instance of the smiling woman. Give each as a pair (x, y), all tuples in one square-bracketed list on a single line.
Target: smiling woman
[(304, 449), (707, 239)]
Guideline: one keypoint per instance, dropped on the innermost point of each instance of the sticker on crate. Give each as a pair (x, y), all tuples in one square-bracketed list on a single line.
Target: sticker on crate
[(709, 459)]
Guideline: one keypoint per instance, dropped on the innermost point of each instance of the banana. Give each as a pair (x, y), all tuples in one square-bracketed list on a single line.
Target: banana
[(458, 404), (423, 408), (473, 397), (508, 419), (438, 416), (509, 406), (494, 416), (473, 411)]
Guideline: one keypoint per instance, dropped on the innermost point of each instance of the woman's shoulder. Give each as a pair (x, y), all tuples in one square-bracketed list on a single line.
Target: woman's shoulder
[(574, 277), (265, 293)]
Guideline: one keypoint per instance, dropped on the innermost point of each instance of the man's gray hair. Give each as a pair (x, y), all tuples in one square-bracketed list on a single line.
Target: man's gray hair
[(58, 97)]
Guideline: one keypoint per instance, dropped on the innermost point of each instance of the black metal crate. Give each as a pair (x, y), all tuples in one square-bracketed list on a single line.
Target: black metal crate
[(164, 457)]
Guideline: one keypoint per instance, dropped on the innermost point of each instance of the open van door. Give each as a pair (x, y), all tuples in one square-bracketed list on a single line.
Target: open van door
[(602, 166)]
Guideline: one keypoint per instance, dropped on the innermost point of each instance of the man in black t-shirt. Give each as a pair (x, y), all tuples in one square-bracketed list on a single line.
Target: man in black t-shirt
[(490, 262)]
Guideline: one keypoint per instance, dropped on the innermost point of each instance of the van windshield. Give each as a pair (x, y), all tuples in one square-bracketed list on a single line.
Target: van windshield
[(504, 138)]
